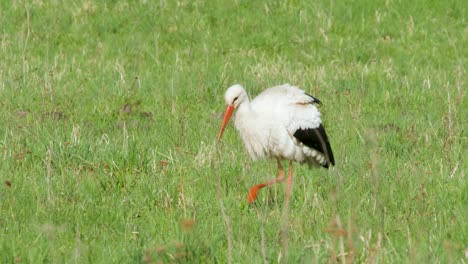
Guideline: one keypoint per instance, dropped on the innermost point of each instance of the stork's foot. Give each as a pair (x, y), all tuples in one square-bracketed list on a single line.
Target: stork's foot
[(252, 196), (254, 190)]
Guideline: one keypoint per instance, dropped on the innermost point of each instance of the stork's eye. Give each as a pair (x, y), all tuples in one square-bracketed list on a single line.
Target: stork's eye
[(235, 99)]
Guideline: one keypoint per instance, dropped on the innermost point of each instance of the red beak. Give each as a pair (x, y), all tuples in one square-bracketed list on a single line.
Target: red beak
[(227, 115)]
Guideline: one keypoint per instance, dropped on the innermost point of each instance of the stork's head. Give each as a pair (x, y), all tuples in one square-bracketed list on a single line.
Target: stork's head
[(234, 96)]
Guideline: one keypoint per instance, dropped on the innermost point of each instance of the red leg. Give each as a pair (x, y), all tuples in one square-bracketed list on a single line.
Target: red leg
[(289, 182), (254, 190)]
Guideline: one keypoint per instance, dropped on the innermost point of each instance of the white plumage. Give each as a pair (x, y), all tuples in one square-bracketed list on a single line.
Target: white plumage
[(282, 123)]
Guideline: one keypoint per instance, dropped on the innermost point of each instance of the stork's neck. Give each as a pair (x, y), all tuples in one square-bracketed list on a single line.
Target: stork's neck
[(245, 113), (245, 107)]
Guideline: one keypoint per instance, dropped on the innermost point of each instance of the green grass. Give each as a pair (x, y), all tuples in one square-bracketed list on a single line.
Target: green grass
[(110, 114)]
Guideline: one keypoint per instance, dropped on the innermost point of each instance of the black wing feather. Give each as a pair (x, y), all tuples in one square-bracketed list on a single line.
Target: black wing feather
[(317, 101), (316, 138)]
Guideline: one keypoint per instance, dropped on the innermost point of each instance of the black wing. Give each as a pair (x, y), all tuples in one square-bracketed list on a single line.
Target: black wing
[(316, 138)]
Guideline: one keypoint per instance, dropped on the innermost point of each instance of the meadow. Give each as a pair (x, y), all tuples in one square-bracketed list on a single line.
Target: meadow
[(110, 112)]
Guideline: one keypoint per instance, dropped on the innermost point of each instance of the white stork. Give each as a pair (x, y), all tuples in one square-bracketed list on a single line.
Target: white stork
[(281, 123)]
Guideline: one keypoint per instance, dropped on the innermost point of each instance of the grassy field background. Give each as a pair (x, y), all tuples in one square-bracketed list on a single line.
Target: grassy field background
[(109, 114)]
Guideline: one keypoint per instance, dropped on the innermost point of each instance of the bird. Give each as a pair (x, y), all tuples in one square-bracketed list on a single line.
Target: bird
[(282, 123)]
